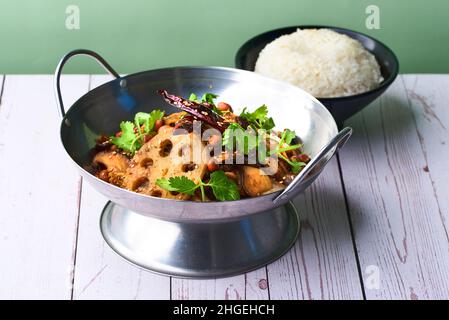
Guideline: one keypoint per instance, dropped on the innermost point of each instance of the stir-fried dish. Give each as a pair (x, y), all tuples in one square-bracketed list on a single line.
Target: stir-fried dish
[(205, 152)]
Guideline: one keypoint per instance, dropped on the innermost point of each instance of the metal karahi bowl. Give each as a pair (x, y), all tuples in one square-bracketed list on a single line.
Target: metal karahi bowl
[(187, 238)]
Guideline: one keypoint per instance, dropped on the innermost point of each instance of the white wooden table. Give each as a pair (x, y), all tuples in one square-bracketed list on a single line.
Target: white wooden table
[(374, 226)]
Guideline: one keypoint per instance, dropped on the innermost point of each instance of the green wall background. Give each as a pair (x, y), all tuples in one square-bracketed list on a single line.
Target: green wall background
[(137, 35)]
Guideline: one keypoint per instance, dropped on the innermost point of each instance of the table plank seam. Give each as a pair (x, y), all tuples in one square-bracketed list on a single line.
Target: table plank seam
[(2, 86), (75, 244), (171, 288), (268, 283), (351, 228), (79, 199), (244, 291)]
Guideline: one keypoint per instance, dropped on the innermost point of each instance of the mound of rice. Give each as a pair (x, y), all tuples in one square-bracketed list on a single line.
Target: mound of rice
[(323, 62)]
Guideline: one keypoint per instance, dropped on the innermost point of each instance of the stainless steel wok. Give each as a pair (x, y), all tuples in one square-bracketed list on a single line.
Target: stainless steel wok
[(187, 238)]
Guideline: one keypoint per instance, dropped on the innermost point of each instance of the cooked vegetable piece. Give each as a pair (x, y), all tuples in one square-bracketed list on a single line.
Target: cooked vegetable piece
[(111, 160), (166, 155), (254, 183)]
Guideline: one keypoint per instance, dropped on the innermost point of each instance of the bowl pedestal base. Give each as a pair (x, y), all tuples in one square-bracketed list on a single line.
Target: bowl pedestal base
[(200, 250)]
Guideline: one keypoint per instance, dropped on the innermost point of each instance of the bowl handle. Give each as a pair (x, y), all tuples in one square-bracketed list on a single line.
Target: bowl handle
[(329, 150), (66, 58)]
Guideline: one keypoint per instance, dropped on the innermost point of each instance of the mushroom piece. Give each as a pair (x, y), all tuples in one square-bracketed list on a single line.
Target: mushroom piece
[(255, 183)]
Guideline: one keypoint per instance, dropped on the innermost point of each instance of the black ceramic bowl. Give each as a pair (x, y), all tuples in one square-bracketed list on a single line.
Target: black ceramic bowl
[(341, 107)]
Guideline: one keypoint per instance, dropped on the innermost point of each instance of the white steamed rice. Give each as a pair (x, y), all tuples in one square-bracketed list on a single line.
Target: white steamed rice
[(322, 62)]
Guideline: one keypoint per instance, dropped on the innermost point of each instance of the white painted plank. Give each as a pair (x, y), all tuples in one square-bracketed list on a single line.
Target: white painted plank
[(100, 273), (322, 263), (428, 98), (256, 285), (250, 286), (38, 190), (232, 288), (398, 224)]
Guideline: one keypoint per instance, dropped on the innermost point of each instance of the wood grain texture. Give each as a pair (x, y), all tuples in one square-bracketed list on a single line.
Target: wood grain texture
[(38, 190), (322, 263), (394, 174), (100, 273), (232, 288), (399, 224), (250, 286)]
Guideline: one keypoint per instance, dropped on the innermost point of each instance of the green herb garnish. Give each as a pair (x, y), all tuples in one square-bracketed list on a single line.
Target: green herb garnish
[(258, 119), (223, 188), (133, 136), (245, 140), (207, 97), (128, 140), (284, 145), (193, 97)]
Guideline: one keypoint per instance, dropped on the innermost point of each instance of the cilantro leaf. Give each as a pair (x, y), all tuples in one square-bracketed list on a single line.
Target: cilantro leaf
[(141, 118), (268, 124), (288, 136), (245, 140), (132, 137), (128, 140), (223, 188), (193, 97), (258, 119), (296, 165), (155, 115), (259, 113), (229, 133), (179, 184), (209, 97), (147, 119)]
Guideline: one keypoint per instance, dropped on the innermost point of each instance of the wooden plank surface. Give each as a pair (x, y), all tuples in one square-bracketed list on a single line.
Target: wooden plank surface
[(39, 190), (322, 264), (394, 176), (393, 170), (250, 286), (100, 273)]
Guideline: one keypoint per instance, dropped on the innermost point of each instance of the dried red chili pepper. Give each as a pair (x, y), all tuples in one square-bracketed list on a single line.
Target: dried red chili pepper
[(201, 111)]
